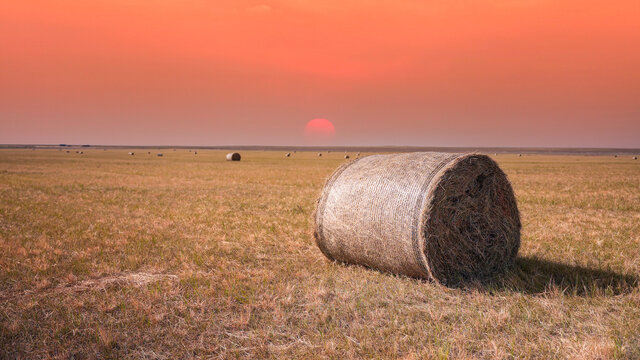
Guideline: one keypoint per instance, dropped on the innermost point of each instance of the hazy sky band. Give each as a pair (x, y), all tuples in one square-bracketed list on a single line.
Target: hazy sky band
[(440, 73)]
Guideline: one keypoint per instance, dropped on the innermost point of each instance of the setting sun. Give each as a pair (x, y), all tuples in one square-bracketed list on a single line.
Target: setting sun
[(319, 132)]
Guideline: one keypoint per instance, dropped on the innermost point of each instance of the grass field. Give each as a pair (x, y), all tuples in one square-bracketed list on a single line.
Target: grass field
[(106, 255)]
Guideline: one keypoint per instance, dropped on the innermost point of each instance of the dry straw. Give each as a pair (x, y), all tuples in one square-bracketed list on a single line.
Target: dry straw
[(233, 156), (451, 218)]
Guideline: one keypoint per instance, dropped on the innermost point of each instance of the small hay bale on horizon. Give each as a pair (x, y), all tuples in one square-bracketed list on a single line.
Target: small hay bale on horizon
[(455, 219), (131, 153), (319, 154), (287, 155), (234, 156), (635, 158), (346, 156), (160, 154)]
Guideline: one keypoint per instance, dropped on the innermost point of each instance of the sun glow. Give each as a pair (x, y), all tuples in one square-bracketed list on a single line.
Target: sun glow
[(319, 132)]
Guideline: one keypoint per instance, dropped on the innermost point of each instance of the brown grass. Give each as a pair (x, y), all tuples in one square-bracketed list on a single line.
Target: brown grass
[(235, 272)]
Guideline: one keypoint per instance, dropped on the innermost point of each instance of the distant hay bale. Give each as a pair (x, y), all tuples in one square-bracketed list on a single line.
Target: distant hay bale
[(131, 153), (319, 154), (195, 153), (160, 154), (346, 156), (288, 155), (635, 158), (233, 156), (615, 155), (451, 218), (520, 155)]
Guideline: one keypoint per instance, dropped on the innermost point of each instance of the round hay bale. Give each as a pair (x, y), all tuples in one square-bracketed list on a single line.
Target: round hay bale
[(195, 153), (346, 156), (160, 154), (451, 218), (519, 155), (635, 158), (288, 155), (319, 154), (233, 156), (131, 153)]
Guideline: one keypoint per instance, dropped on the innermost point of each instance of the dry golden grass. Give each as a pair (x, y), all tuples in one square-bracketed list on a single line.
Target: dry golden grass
[(107, 255)]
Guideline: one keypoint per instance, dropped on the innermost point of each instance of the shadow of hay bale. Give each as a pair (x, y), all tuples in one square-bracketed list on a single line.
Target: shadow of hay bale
[(531, 275)]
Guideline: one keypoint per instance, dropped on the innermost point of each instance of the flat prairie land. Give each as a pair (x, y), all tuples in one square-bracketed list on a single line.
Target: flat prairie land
[(107, 255)]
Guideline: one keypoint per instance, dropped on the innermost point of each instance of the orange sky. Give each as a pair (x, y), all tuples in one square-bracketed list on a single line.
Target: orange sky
[(441, 73)]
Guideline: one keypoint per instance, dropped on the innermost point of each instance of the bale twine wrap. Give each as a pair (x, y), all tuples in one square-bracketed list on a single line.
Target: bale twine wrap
[(233, 156), (445, 217)]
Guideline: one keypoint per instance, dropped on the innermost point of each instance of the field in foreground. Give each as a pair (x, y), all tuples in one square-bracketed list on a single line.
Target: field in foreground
[(109, 255)]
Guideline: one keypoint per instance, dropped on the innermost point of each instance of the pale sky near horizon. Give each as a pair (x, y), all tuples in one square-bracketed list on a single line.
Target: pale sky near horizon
[(427, 73)]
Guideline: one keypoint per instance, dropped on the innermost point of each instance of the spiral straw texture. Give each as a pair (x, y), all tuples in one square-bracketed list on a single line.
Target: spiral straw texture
[(451, 218)]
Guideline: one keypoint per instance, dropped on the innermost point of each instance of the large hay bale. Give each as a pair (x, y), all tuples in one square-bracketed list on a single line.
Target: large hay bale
[(233, 156), (446, 217)]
